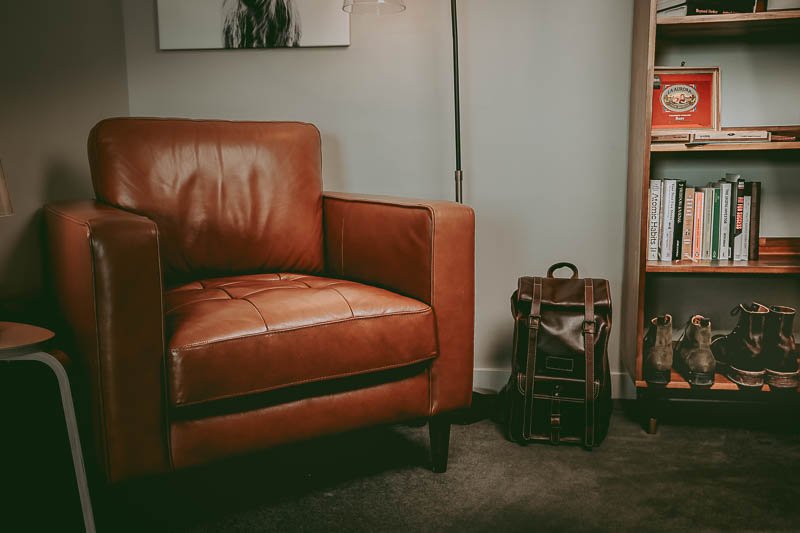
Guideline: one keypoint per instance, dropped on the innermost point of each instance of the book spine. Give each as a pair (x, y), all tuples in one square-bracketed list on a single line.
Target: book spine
[(654, 217), (755, 220), (708, 225), (746, 225), (697, 238), (668, 220), (715, 231), (725, 220), (732, 178), (688, 224), (677, 233), (739, 222)]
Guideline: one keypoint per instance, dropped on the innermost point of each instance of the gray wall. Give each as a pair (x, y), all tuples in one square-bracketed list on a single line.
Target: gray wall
[(545, 109), (63, 69)]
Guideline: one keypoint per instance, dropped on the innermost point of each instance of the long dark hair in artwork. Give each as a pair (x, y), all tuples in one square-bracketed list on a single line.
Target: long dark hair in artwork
[(261, 24)]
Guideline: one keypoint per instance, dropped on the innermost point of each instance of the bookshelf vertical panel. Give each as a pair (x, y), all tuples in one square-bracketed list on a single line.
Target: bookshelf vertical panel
[(642, 66)]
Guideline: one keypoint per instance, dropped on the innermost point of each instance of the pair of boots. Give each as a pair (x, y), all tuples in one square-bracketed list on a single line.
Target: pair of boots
[(695, 360), (760, 348)]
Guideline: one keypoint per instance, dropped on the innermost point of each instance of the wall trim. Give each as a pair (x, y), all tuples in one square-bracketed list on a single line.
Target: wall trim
[(494, 379)]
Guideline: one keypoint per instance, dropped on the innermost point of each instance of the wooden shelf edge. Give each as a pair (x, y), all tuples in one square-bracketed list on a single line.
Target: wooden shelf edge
[(764, 266), (726, 147), (721, 383), (765, 16)]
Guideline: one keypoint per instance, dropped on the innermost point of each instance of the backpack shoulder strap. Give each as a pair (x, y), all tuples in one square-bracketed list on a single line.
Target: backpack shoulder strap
[(534, 319), (588, 339)]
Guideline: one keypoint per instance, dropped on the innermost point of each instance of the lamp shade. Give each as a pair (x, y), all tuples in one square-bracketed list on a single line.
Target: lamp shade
[(5, 198), (374, 7)]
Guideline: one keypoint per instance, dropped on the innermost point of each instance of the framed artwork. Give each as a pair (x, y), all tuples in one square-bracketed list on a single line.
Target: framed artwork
[(686, 100), (214, 24)]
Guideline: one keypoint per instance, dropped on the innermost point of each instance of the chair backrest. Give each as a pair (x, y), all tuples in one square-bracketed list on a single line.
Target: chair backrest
[(227, 197)]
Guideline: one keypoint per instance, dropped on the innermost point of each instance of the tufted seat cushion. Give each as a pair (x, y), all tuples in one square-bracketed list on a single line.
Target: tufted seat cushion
[(241, 335)]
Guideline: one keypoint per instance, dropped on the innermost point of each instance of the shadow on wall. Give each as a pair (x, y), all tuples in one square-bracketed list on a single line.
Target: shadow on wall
[(28, 299), (334, 175)]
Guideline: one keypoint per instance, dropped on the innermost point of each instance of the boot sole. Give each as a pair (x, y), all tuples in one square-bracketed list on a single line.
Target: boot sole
[(659, 377), (782, 380), (700, 379), (745, 379)]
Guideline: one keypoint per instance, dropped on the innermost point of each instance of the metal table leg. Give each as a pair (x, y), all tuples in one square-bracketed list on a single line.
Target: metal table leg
[(72, 429)]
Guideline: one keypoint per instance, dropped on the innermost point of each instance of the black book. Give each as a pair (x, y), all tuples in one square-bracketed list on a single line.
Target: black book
[(680, 199), (755, 220), (734, 179), (719, 7)]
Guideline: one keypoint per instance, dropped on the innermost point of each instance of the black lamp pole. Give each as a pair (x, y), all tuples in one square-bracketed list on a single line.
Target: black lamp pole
[(459, 174)]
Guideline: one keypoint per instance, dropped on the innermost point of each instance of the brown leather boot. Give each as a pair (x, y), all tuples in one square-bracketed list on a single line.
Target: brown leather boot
[(658, 350), (739, 352), (780, 353), (695, 360)]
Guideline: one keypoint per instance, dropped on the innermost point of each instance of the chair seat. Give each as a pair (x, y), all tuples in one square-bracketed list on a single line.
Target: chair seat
[(236, 336)]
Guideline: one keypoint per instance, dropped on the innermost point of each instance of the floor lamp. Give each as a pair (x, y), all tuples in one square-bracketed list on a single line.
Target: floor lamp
[(381, 7)]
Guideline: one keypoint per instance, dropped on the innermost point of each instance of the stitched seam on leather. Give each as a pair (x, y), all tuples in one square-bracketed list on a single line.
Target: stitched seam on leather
[(174, 351), (184, 304), (428, 357), (345, 301), (164, 377), (103, 421), (266, 327)]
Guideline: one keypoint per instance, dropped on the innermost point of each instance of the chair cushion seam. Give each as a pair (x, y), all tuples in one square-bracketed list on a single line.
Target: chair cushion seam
[(197, 345), (418, 360)]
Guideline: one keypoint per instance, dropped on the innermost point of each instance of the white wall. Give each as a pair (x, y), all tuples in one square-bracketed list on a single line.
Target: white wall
[(63, 69), (545, 112)]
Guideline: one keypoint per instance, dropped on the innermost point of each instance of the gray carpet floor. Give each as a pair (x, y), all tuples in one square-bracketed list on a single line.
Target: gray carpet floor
[(709, 473)]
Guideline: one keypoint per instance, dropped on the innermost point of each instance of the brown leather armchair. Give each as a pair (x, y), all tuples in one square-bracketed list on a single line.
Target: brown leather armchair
[(220, 302)]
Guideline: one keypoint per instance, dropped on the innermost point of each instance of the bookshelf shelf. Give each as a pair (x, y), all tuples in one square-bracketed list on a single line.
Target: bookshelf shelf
[(721, 383), (726, 147), (771, 24), (762, 266)]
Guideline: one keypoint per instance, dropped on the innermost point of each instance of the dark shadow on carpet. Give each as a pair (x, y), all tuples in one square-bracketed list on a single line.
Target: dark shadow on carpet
[(708, 471)]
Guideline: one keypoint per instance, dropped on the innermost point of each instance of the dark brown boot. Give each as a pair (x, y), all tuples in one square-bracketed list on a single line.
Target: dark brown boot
[(780, 353), (695, 360), (658, 351), (739, 352)]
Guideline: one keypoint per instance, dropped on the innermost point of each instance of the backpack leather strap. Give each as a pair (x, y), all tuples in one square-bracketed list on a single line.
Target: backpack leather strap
[(588, 339), (534, 319)]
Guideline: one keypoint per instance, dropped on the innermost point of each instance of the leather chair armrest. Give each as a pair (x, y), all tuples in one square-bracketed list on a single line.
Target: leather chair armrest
[(106, 275), (422, 249)]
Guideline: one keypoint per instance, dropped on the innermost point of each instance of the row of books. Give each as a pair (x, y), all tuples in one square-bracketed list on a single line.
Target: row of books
[(718, 222), (677, 8)]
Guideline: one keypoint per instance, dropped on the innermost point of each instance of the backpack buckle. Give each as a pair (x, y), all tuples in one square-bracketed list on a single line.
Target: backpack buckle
[(588, 326), (533, 322)]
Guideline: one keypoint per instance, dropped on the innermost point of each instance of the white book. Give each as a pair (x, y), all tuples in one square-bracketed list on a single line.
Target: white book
[(667, 219), (777, 5), (708, 221), (724, 221), (654, 220), (746, 228), (668, 4)]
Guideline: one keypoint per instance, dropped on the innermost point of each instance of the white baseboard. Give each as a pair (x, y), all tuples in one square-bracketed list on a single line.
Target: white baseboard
[(494, 379)]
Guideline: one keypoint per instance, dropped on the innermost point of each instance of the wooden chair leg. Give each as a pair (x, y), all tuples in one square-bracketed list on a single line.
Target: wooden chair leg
[(439, 428)]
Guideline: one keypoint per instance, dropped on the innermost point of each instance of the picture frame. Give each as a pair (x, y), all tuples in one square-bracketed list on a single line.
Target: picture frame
[(686, 100), (251, 24)]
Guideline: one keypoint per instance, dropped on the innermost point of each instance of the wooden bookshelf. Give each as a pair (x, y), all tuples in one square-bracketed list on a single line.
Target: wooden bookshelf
[(777, 258), (770, 24)]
